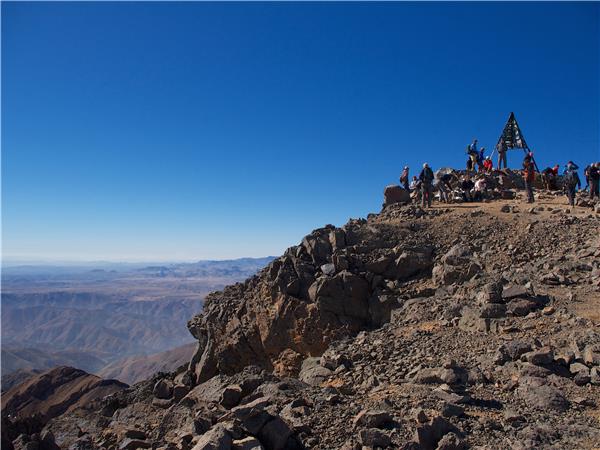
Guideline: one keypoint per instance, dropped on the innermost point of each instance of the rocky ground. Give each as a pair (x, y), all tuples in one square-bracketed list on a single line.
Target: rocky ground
[(461, 326)]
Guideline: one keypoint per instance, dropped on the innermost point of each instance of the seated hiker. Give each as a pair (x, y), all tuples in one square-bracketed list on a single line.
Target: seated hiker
[(445, 187), (404, 178), (529, 176), (488, 165), (415, 188), (571, 182), (480, 189), (426, 178), (466, 186)]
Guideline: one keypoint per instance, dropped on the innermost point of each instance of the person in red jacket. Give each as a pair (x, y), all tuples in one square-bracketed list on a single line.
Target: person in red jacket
[(529, 176), (488, 165)]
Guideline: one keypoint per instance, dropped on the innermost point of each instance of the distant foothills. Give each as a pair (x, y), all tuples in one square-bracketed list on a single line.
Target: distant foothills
[(126, 320)]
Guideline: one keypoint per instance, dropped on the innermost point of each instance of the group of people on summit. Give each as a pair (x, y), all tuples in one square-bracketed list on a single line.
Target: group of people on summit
[(473, 186)]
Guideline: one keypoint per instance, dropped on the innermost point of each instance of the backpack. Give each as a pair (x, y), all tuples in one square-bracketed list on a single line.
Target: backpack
[(571, 178), (427, 175)]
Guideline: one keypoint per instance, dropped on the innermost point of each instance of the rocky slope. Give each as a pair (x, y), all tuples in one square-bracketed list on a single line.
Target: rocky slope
[(461, 326), (138, 368)]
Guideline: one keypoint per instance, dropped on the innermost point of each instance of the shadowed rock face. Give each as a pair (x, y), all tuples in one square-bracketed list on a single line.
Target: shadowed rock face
[(324, 289)]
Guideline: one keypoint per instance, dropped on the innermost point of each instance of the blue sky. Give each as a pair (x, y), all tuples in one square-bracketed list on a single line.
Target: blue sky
[(155, 131)]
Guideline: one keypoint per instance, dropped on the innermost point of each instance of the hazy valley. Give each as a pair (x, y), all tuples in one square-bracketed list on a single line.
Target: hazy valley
[(106, 318)]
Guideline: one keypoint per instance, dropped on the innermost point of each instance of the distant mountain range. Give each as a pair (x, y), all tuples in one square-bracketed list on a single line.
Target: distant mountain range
[(92, 317)]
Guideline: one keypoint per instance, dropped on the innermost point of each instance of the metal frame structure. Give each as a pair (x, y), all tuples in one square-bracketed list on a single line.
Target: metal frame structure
[(512, 137)]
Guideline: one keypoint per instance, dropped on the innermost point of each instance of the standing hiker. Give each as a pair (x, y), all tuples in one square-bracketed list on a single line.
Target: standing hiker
[(594, 178), (501, 148), (529, 176), (571, 181), (473, 155), (426, 178), (404, 178), (480, 159), (586, 174)]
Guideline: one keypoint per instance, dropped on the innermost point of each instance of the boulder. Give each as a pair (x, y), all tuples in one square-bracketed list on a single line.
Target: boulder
[(133, 444), (395, 194), (441, 375), (409, 263), (521, 306), (493, 310), (313, 373), (537, 394), (373, 419), (275, 434), (217, 438), (428, 435), (344, 294), (374, 438), (230, 396), (541, 357), (248, 443), (451, 441), (163, 389)]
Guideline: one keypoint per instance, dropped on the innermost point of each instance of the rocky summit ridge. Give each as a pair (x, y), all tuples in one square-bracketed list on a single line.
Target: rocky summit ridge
[(460, 326)]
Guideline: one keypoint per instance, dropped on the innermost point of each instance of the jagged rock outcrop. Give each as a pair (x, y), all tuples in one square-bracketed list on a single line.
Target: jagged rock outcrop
[(326, 288)]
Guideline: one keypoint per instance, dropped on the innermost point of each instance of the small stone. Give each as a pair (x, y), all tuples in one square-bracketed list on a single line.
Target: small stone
[(539, 357)]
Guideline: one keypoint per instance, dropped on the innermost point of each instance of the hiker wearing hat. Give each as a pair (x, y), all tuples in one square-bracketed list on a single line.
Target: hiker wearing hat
[(404, 178), (426, 178)]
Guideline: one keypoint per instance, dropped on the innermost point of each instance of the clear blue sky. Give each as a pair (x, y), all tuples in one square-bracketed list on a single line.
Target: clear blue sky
[(155, 131)]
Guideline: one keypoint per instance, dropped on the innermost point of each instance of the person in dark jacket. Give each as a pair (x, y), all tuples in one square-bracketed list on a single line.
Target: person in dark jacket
[(426, 178), (570, 182), (466, 186), (529, 176), (586, 174), (404, 178), (594, 180)]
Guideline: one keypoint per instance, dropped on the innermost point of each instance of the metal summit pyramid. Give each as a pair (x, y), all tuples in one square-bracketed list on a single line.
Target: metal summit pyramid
[(511, 136)]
